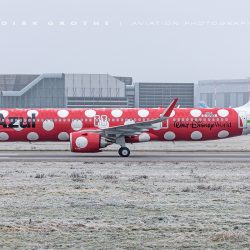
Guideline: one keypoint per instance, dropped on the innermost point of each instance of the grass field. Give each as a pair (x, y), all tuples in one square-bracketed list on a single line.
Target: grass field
[(124, 205)]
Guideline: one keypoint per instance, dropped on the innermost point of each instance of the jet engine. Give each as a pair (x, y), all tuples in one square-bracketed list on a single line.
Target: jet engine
[(84, 142)]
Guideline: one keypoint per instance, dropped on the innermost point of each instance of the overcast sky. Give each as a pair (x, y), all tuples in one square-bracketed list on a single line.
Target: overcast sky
[(151, 40)]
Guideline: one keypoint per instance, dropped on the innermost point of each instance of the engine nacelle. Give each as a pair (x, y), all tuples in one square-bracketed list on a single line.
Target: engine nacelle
[(84, 142)]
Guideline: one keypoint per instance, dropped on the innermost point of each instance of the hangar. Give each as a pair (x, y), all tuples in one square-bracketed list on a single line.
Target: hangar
[(223, 93), (59, 90)]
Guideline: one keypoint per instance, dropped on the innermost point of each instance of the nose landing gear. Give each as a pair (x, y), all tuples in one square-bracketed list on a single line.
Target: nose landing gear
[(124, 152)]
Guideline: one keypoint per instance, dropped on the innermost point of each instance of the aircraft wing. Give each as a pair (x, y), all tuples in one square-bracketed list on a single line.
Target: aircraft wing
[(138, 127)]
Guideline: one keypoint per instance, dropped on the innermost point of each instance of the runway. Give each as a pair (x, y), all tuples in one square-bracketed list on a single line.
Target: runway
[(112, 156)]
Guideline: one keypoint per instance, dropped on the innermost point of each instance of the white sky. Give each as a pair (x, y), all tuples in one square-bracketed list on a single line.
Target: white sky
[(178, 52)]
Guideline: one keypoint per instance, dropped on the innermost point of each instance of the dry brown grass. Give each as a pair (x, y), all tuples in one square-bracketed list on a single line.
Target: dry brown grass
[(229, 236)]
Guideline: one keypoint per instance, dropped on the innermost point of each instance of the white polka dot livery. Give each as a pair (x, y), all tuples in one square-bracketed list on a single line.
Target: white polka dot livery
[(4, 136), (90, 113), (223, 134), (32, 136), (63, 136), (196, 135), (223, 112), (4, 113), (81, 142), (143, 113), (169, 136), (195, 112), (116, 113), (63, 113), (48, 125), (144, 137), (76, 125)]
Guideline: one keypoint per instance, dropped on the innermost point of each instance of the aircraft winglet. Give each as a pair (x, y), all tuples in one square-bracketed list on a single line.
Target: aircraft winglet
[(166, 113)]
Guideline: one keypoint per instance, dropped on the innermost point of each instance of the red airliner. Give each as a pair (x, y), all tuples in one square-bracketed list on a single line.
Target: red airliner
[(89, 130)]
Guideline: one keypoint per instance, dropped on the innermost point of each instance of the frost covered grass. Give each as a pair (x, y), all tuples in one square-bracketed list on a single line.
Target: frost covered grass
[(124, 205)]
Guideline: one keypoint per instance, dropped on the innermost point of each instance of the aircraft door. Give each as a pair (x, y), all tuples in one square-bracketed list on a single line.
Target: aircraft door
[(242, 119), (164, 124)]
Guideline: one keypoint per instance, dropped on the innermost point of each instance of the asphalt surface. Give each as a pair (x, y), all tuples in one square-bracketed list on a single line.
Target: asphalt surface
[(136, 156)]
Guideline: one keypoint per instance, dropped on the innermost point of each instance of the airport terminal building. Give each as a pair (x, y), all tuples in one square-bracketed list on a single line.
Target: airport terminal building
[(88, 91)]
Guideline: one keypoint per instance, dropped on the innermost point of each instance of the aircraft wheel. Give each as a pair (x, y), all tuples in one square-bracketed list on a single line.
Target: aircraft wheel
[(124, 152)]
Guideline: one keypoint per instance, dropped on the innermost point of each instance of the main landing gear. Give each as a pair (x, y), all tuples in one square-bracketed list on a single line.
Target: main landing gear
[(124, 152)]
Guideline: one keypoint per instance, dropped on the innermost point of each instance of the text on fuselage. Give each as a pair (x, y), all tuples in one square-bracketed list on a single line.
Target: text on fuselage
[(16, 122)]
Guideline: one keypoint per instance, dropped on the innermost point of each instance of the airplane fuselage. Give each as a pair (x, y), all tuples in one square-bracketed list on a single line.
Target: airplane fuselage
[(183, 124)]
